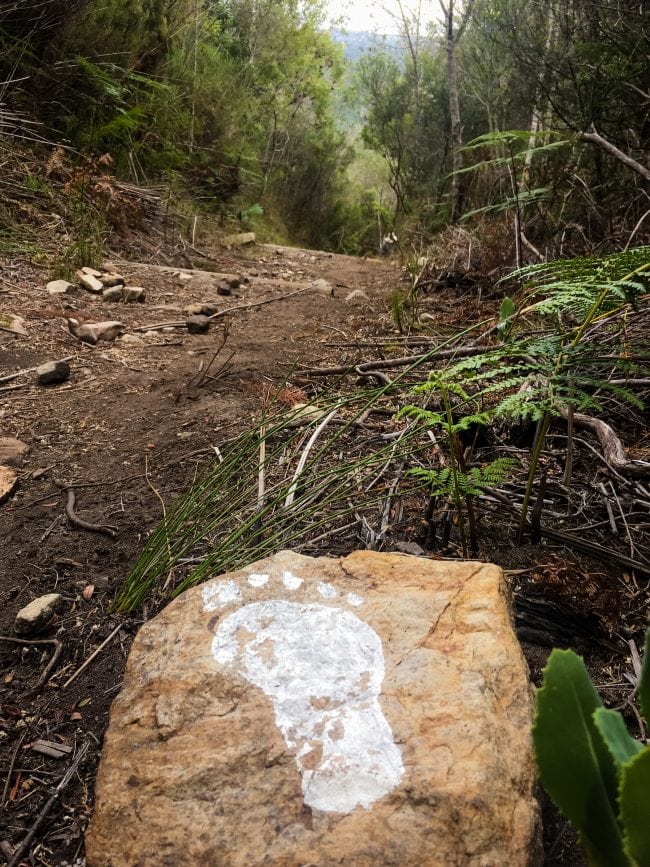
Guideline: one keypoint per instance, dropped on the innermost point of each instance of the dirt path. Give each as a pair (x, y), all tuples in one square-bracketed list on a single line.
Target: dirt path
[(130, 427)]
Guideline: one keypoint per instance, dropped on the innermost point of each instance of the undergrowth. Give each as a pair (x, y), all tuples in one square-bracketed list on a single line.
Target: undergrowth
[(302, 474)]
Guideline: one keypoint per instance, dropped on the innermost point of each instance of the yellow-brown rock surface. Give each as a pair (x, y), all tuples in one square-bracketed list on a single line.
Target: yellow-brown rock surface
[(368, 710)]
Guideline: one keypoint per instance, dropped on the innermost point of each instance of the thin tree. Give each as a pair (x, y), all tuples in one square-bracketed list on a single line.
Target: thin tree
[(453, 35)]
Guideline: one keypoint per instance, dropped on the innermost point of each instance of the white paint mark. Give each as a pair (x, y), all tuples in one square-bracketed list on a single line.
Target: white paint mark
[(353, 599), (219, 594), (322, 668), (327, 590), (291, 581), (256, 579)]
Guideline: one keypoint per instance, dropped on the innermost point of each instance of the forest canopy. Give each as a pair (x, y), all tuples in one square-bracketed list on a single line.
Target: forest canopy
[(518, 118)]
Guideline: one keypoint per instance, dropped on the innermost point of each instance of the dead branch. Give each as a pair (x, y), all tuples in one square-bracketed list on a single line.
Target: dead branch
[(58, 647), (612, 150), (386, 364), (23, 847), (611, 445), (157, 326), (25, 370), (75, 519), (95, 653), (12, 762)]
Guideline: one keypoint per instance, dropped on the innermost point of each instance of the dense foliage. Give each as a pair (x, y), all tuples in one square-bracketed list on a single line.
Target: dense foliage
[(231, 97), (569, 72), (240, 103)]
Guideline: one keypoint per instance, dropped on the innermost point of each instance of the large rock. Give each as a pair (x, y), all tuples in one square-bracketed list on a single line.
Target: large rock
[(372, 710)]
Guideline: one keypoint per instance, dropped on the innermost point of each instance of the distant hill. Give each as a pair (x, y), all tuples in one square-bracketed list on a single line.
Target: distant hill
[(358, 43)]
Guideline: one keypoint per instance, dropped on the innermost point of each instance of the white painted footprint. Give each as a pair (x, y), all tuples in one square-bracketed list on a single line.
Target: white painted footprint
[(322, 667)]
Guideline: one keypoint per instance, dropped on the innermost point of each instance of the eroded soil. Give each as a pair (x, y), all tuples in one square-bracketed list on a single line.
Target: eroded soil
[(134, 425), (129, 430)]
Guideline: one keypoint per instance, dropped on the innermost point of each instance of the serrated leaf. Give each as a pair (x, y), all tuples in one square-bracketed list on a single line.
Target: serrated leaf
[(644, 680), (575, 767), (635, 808), (621, 745)]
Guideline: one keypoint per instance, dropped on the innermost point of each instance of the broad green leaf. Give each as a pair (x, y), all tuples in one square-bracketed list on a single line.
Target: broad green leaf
[(575, 766), (644, 680), (635, 808), (613, 730)]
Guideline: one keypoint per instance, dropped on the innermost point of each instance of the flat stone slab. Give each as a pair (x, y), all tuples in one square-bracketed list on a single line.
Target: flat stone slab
[(368, 710)]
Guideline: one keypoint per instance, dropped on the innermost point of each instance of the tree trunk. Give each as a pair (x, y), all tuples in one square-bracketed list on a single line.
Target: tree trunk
[(454, 114)]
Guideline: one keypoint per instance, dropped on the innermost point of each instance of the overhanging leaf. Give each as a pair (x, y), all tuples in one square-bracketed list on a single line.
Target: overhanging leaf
[(575, 767), (644, 680), (621, 745), (635, 808)]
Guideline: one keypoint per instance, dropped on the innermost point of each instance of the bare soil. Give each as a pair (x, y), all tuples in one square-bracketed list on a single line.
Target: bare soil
[(130, 430)]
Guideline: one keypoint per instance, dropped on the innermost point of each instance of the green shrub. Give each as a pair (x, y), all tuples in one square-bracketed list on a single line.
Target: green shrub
[(596, 773)]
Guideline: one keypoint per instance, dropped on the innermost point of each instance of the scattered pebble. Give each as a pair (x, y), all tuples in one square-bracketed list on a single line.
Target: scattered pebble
[(357, 295), (198, 324), (90, 282), (91, 332), (34, 616), (323, 287), (113, 293), (53, 372), (134, 293), (110, 280), (59, 287)]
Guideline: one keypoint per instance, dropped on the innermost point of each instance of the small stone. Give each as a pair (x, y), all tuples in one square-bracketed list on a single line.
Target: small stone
[(12, 451), (109, 280), (91, 272), (183, 275), (193, 310), (242, 239), (133, 339), (224, 289), (134, 293), (198, 324), (114, 293), (8, 482), (234, 282), (209, 309), (323, 287), (34, 616), (357, 295), (91, 332), (59, 287), (53, 372), (90, 282)]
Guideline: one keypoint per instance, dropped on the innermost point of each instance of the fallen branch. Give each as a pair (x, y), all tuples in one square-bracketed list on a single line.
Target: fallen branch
[(303, 457), (95, 653), (23, 847), (12, 763), (58, 647), (76, 520), (386, 364), (592, 548), (228, 310), (25, 370), (612, 150), (612, 447)]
